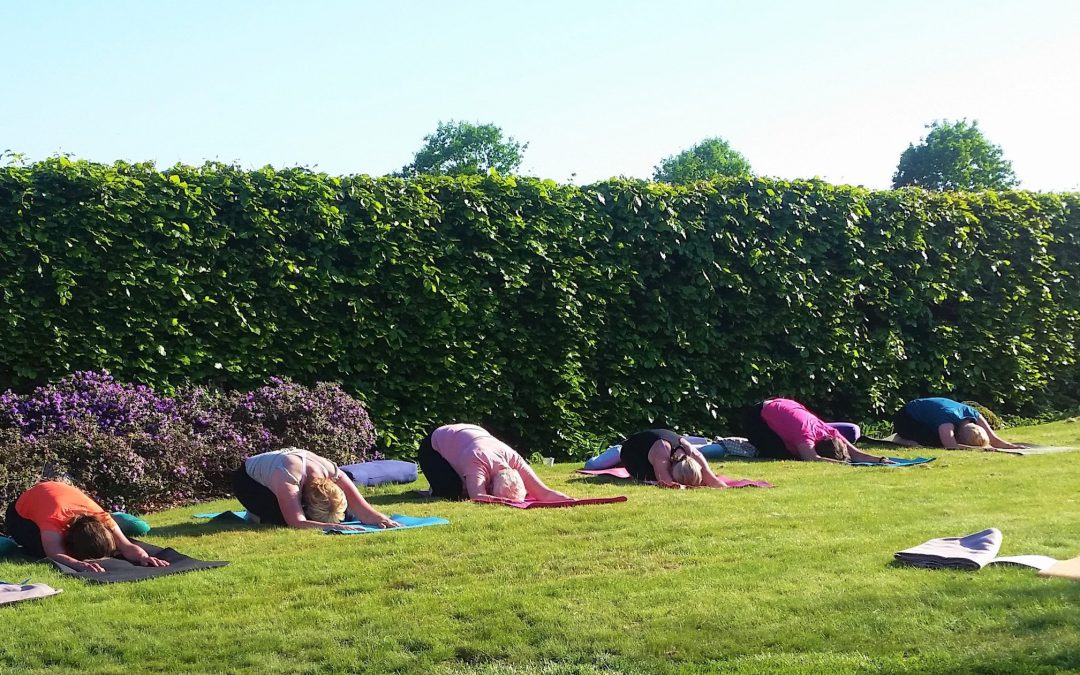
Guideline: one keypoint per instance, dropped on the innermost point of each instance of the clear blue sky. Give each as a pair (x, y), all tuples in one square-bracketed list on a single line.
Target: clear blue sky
[(598, 88)]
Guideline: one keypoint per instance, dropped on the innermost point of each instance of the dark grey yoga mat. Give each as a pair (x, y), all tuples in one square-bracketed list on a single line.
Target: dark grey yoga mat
[(118, 569)]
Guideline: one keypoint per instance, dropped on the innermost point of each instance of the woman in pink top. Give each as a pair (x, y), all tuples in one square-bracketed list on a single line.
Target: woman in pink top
[(784, 429), (464, 459)]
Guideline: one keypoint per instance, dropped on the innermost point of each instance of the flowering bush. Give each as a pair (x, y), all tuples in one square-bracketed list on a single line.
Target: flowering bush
[(134, 449)]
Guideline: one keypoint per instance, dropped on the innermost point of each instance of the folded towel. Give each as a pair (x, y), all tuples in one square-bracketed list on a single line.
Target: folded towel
[(19, 592), (381, 472), (621, 472), (973, 552), (407, 522), (530, 504)]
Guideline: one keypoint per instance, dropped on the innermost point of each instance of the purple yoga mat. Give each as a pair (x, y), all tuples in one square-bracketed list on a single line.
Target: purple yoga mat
[(532, 504)]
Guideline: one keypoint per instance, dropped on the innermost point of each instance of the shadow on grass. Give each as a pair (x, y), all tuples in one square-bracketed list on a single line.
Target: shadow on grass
[(408, 497), (203, 528)]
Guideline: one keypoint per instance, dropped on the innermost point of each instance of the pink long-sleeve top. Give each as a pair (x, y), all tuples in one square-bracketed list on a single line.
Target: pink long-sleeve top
[(472, 451), (794, 424)]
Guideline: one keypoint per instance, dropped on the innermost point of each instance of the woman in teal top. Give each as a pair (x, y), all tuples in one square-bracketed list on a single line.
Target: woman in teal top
[(945, 423)]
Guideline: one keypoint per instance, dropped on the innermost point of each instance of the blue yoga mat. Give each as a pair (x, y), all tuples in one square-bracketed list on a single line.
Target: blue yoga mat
[(898, 462), (240, 515), (406, 523)]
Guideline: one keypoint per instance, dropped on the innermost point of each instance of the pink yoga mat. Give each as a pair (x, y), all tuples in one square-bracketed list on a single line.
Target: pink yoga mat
[(621, 472), (531, 504)]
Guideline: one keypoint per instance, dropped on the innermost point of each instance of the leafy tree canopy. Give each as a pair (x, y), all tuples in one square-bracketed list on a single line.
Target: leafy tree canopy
[(954, 156), (461, 148), (708, 159)]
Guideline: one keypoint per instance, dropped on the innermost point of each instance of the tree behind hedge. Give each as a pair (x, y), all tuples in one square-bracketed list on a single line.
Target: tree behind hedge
[(560, 317), (954, 156), (709, 159)]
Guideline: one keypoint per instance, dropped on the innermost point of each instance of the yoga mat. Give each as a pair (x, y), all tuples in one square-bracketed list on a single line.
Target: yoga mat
[(1037, 450), (1065, 569), (532, 504), (973, 552), (407, 522), (18, 592), (224, 517), (621, 472), (891, 439), (118, 569), (897, 462)]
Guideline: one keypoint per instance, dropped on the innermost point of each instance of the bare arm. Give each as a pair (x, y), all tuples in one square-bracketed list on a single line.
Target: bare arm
[(995, 440), (358, 506), (534, 487), (805, 451), (858, 455), (660, 458), (133, 552), (947, 434), (708, 478), (53, 543), (288, 498)]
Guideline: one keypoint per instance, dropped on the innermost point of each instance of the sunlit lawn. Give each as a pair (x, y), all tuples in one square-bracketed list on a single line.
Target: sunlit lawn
[(796, 578)]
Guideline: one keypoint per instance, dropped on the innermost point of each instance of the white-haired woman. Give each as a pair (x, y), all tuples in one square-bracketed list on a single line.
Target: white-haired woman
[(465, 460), (667, 457)]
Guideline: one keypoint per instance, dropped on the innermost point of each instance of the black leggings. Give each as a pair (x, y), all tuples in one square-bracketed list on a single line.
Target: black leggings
[(764, 439), (906, 426), (257, 498), (25, 532), (444, 481)]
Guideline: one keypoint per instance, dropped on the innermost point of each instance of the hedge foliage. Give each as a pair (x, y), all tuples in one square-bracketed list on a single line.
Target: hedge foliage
[(558, 316)]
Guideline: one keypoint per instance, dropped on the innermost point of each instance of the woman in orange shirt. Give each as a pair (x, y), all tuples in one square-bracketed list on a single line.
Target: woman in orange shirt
[(61, 522)]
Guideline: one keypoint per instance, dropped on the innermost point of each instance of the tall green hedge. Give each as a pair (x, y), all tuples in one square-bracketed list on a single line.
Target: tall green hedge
[(557, 315)]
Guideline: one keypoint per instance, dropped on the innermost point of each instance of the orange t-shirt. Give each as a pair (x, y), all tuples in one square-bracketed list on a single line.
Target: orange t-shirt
[(52, 505)]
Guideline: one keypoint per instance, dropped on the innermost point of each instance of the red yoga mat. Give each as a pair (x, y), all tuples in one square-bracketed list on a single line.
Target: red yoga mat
[(621, 472), (532, 504)]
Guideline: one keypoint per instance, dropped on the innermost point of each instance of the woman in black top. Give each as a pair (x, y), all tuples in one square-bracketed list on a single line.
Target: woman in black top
[(667, 457)]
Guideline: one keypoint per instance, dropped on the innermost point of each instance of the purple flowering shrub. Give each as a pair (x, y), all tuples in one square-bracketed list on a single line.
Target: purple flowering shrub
[(323, 419), (136, 450)]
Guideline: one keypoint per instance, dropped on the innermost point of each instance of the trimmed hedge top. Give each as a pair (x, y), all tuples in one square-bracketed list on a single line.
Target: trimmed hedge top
[(558, 316)]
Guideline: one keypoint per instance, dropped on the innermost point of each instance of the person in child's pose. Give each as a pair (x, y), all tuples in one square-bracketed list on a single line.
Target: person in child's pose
[(462, 460), (61, 522), (665, 456), (781, 428), (945, 423), (300, 489)]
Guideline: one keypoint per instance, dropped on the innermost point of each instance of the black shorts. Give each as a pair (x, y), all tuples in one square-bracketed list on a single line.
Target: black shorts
[(635, 451)]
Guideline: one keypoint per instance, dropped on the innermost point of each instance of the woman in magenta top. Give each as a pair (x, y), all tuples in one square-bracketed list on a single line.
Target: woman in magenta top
[(464, 459), (784, 429)]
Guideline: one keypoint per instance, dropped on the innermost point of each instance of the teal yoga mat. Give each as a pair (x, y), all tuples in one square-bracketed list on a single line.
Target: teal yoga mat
[(407, 522), (898, 462)]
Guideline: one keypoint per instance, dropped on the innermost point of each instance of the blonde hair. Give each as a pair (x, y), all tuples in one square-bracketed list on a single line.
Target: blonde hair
[(323, 501), (972, 434), (507, 484), (685, 470)]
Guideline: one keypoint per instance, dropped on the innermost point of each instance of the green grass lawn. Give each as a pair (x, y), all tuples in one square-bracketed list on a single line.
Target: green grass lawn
[(796, 578)]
